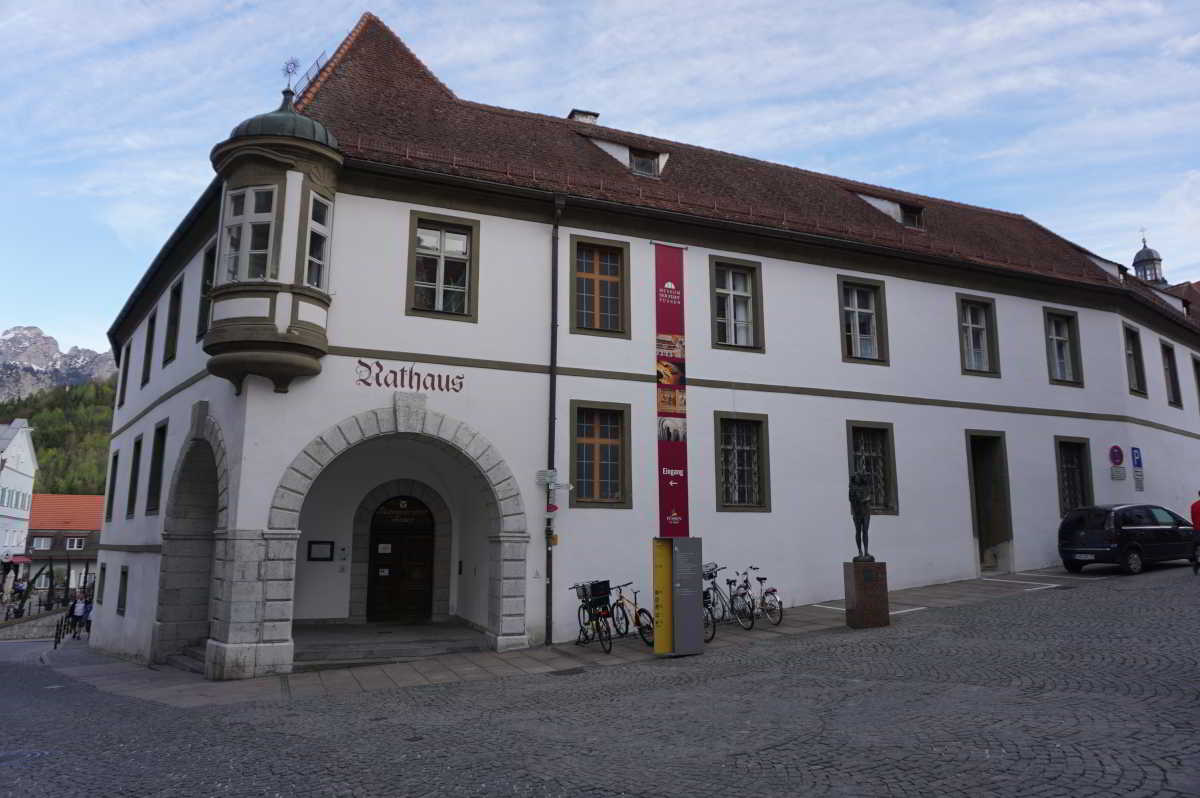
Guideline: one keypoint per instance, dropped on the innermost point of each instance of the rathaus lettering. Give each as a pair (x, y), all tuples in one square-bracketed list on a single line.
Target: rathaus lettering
[(374, 374)]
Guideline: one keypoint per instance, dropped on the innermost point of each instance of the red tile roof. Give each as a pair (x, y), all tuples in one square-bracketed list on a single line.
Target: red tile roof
[(68, 512), (1190, 293), (384, 105)]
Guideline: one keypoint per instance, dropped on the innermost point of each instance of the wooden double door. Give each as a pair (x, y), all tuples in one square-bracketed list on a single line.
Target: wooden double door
[(400, 573)]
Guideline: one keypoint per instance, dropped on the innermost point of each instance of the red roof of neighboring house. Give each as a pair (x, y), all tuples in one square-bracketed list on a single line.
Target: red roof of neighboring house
[(68, 512), (385, 106)]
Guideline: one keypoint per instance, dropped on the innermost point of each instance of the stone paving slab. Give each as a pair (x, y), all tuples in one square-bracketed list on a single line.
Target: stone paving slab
[(178, 688)]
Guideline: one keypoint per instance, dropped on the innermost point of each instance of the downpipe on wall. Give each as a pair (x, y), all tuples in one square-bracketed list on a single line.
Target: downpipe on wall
[(560, 203)]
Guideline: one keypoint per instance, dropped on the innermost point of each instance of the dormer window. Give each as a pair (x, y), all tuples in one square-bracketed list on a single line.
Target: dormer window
[(249, 215), (643, 162), (910, 216)]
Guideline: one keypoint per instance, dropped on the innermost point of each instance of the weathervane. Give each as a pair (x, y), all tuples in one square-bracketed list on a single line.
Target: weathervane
[(290, 67), (1143, 236)]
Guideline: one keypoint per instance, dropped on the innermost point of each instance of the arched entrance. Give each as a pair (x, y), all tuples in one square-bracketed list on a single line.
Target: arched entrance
[(195, 510), (400, 569), (316, 500)]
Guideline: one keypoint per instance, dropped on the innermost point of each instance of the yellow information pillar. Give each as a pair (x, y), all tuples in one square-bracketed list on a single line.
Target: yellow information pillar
[(664, 631)]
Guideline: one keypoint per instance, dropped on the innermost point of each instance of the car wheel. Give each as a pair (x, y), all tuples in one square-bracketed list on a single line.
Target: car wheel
[(1131, 562), (1072, 566)]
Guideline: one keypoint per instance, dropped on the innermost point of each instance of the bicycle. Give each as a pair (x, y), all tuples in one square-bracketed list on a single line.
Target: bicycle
[(710, 621), (623, 608), (593, 614), (767, 600), (737, 603)]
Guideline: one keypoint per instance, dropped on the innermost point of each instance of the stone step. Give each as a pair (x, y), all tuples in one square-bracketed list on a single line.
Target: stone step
[(383, 650), (195, 652), (186, 663)]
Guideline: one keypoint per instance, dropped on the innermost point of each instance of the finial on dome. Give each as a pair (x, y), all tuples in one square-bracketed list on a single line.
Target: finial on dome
[(290, 68)]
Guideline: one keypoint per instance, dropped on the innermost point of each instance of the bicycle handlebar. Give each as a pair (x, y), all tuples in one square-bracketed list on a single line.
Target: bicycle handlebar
[(753, 567), (618, 587)]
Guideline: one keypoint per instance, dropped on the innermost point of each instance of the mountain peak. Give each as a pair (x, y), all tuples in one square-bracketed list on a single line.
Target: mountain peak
[(30, 361)]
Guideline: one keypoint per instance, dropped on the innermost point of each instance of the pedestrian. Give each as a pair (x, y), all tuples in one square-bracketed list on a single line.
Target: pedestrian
[(1195, 532), (78, 615), (87, 618)]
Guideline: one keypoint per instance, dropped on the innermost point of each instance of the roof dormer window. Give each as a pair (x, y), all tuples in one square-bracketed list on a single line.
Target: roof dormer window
[(911, 216), (908, 215), (643, 162)]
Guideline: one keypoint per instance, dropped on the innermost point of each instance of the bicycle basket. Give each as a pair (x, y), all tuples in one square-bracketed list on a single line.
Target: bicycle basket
[(581, 592)]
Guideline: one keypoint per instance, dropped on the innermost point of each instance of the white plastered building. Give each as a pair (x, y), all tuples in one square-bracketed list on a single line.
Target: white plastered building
[(392, 308), (18, 467)]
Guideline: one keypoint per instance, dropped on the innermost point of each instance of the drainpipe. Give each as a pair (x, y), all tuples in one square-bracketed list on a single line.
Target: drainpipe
[(559, 203)]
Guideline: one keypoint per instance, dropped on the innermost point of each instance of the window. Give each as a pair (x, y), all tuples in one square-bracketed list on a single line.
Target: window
[(1171, 375), (1062, 348), (600, 469), (643, 162), (122, 589), (174, 306), (76, 544), (978, 340), (911, 216), (42, 582), (1132, 517), (743, 462), (600, 292), (249, 214), (100, 583), (870, 450), (864, 321), (1196, 375), (148, 354), (157, 451), (1134, 368), (443, 275), (134, 464), (206, 283), (41, 544), (112, 486), (124, 376), (1073, 460), (320, 220), (737, 304)]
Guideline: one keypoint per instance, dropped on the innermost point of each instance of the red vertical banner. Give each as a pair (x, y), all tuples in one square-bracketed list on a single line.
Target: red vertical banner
[(670, 392)]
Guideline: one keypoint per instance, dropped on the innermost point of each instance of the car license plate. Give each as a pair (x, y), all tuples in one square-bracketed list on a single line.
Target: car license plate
[(1085, 556)]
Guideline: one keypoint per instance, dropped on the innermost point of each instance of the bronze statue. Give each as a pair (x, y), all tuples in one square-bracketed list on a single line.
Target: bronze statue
[(860, 511)]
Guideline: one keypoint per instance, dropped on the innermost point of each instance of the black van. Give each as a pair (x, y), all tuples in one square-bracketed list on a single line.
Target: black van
[(1129, 535)]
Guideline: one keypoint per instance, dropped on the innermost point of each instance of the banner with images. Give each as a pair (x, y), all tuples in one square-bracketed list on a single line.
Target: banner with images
[(670, 360)]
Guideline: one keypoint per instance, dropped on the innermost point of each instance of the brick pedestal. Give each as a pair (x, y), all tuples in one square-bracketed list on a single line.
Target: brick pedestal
[(866, 594)]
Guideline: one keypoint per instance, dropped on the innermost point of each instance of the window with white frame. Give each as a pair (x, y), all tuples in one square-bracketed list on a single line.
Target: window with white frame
[(41, 544), (860, 321), (249, 218), (42, 582), (76, 544), (443, 260), (1062, 348), (320, 220), (734, 289), (977, 336)]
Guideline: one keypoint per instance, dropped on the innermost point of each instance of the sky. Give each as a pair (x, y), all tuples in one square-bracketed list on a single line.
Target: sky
[(1084, 116)]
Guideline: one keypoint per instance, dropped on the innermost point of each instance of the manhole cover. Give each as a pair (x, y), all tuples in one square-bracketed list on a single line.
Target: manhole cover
[(567, 672), (15, 757)]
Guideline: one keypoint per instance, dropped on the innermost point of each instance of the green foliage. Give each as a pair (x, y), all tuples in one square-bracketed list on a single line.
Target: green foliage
[(71, 425)]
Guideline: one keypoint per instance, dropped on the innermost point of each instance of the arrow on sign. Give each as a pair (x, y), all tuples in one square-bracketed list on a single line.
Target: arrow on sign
[(672, 482)]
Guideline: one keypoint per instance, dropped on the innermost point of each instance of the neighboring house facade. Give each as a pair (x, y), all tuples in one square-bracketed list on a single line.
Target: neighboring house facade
[(64, 538), (393, 308), (18, 468)]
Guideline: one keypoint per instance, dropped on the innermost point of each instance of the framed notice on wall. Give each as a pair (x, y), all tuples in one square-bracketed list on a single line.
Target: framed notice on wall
[(320, 550)]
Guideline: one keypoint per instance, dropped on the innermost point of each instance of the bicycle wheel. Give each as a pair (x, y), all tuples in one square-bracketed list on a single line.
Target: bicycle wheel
[(720, 605), (710, 625), (743, 609), (585, 624), (645, 626), (773, 608), (620, 620), (604, 634)]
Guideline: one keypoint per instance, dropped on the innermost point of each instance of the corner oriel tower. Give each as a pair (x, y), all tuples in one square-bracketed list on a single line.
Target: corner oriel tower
[(270, 298), (1147, 265)]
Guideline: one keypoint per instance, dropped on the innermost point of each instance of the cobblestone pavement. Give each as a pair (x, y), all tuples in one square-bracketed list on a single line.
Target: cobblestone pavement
[(1090, 691)]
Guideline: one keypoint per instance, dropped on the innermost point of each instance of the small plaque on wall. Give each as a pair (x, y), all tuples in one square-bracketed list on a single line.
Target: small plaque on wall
[(320, 550)]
